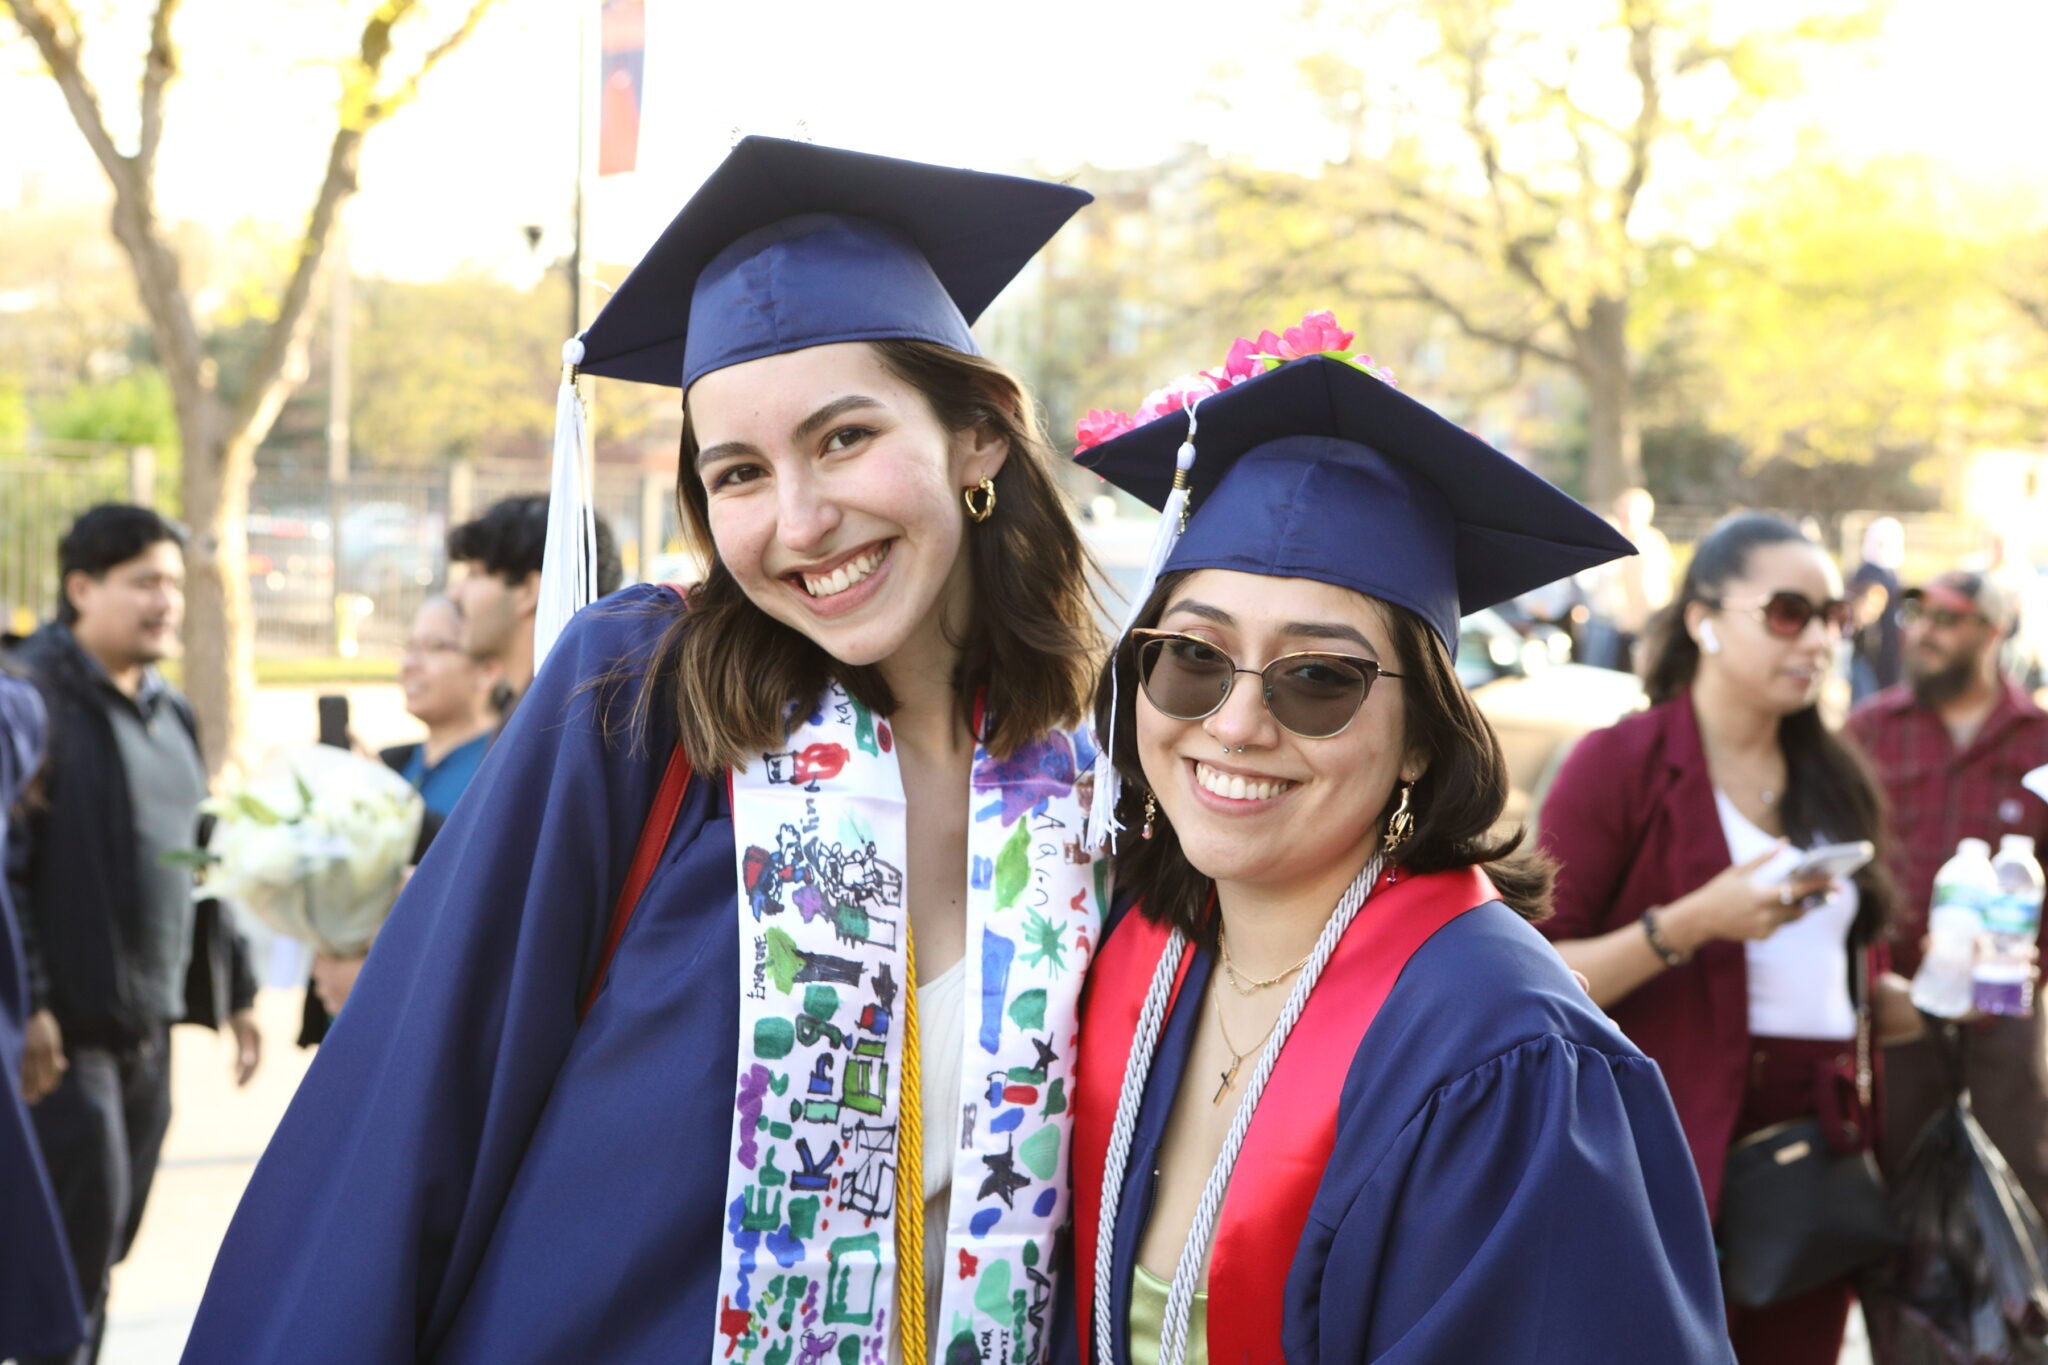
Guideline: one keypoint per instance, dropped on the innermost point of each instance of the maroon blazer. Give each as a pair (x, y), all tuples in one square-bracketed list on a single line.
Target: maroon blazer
[(1632, 824)]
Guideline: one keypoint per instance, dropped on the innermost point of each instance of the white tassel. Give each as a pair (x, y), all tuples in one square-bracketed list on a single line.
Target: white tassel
[(1103, 826), (568, 575)]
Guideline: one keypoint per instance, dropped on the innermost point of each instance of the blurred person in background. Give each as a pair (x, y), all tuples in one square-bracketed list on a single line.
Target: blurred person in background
[(1624, 595), (1675, 830), (448, 690), (499, 555), (1950, 746), (1876, 661), (39, 1307), (118, 949)]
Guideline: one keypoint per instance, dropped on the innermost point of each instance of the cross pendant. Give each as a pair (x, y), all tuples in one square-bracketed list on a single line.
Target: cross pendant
[(1228, 1077)]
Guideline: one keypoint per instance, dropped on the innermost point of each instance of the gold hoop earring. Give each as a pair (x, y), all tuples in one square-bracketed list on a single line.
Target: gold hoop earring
[(1401, 824), (982, 511), (1151, 815)]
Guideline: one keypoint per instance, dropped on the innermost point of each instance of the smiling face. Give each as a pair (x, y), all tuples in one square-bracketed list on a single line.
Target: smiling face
[(1254, 805), (1784, 674), (833, 497), (443, 685)]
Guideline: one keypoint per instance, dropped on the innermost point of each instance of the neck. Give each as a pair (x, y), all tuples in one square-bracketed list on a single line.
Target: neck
[(1271, 928), (1729, 722), (448, 736), (1965, 711), (518, 659), (920, 674), (125, 673)]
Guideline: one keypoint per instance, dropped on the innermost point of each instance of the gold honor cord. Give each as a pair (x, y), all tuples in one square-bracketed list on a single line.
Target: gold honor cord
[(910, 1306)]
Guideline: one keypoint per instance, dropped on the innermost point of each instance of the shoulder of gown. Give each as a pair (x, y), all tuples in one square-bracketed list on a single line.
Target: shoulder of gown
[(371, 1208), (1509, 1180)]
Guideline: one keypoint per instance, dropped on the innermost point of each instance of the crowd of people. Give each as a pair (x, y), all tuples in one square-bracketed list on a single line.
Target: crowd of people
[(754, 899)]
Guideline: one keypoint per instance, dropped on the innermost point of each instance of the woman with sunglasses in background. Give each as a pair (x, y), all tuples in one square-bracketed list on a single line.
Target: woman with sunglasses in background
[(1674, 832), (1338, 1101)]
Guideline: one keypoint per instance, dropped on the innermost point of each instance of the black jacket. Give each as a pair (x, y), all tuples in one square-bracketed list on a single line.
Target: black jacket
[(79, 895)]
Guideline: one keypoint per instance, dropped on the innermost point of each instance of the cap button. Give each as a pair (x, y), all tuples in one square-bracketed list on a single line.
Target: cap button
[(572, 351)]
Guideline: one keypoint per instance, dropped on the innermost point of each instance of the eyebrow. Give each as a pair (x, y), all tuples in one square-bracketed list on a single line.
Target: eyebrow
[(803, 431), (1312, 630)]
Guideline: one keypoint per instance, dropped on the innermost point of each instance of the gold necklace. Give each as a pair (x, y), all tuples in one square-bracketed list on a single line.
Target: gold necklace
[(1238, 983), (1236, 1057)]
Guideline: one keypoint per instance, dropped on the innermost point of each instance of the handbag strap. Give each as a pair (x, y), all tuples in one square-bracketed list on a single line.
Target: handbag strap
[(654, 835), (1859, 968)]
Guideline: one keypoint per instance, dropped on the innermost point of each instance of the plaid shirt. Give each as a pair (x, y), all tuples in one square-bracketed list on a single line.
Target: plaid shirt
[(1940, 795)]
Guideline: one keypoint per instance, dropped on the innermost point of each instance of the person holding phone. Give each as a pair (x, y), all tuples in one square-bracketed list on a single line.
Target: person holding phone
[(1683, 894)]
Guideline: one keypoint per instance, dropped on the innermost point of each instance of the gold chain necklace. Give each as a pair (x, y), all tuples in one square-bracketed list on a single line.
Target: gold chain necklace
[(1236, 1057), (1238, 983)]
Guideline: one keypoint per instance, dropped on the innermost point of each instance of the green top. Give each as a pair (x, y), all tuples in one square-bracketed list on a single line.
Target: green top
[(1148, 1320)]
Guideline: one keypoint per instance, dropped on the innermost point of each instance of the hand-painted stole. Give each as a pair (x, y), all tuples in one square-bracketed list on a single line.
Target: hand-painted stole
[(812, 1190), (1292, 1134)]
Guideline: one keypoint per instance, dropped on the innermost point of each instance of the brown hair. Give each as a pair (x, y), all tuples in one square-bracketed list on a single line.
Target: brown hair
[(1456, 803), (1830, 791), (731, 673)]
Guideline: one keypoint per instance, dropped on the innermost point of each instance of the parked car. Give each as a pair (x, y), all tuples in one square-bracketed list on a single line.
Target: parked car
[(1538, 705)]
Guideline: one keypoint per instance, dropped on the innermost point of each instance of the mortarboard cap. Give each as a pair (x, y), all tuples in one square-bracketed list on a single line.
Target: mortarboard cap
[(1319, 470), (789, 245)]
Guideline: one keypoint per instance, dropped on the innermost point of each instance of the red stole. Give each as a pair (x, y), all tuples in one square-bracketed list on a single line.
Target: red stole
[(1294, 1130)]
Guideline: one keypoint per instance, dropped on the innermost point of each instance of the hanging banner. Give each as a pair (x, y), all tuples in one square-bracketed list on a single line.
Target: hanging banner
[(623, 38)]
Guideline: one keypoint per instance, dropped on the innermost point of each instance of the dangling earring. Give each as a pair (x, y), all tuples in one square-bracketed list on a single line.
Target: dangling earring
[(1151, 815), (1401, 824), (980, 512)]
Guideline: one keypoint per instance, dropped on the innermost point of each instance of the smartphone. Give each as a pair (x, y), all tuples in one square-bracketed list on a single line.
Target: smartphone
[(1833, 860), (334, 721)]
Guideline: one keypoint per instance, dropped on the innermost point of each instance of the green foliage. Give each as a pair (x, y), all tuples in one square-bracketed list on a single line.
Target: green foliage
[(134, 409)]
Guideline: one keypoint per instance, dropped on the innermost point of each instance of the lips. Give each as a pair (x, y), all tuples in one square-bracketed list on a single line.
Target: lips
[(848, 573)]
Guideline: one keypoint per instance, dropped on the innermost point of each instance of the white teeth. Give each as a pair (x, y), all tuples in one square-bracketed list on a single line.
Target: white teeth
[(855, 570), (1236, 787)]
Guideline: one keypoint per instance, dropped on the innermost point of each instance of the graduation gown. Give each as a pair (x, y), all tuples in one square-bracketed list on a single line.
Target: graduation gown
[(40, 1312), (1505, 1177)]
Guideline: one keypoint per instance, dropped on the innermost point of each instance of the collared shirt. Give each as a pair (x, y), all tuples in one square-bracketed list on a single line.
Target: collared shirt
[(166, 782), (1940, 794)]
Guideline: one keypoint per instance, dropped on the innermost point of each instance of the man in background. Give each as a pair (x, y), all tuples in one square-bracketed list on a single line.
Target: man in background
[(1877, 654), (494, 564), (1950, 747), (117, 948), (1625, 594)]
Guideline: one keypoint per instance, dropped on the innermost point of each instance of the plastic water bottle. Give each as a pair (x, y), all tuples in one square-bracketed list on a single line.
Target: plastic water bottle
[(1944, 985), (2012, 921)]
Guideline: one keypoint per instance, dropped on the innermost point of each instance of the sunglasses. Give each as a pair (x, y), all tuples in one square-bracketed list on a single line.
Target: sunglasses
[(1787, 614), (1312, 695), (1941, 618)]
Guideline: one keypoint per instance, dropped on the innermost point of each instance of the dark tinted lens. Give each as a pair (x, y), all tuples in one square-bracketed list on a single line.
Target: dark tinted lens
[(1787, 613), (1315, 695), (1184, 677), (1838, 615)]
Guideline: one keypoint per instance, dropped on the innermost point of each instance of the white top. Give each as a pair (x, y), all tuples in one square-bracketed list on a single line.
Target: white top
[(1799, 976), (941, 1031)]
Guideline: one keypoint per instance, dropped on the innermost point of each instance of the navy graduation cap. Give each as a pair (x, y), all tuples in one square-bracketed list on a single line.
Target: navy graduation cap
[(1320, 470), (789, 245), (785, 246)]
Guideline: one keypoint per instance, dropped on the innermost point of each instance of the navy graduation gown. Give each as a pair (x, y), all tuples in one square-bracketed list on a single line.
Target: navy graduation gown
[(40, 1312), (1508, 1180), (466, 1174)]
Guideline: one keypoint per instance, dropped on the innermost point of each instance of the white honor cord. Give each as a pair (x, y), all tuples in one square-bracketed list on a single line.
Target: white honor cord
[(1180, 1296)]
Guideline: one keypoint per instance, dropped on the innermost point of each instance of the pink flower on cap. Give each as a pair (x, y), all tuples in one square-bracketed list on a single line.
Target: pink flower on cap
[(1099, 426)]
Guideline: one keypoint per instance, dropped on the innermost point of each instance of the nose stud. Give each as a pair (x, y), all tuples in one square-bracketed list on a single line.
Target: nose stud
[(1238, 750)]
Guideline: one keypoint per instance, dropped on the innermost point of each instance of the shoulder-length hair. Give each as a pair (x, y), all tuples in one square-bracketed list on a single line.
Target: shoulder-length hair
[(1830, 792), (1456, 803), (734, 677)]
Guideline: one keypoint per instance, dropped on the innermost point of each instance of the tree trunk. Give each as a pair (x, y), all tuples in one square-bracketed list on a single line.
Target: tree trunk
[(1614, 455), (219, 654)]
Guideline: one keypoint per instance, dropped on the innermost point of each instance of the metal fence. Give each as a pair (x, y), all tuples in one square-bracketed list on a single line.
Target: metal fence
[(334, 567)]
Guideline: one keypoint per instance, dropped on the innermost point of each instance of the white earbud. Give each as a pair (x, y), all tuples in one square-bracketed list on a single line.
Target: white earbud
[(1709, 641)]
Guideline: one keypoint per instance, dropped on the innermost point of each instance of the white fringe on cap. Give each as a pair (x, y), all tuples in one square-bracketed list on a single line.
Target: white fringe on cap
[(568, 573), (1103, 826)]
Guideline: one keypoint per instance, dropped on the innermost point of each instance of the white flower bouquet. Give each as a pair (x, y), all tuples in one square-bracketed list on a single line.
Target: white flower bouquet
[(316, 846)]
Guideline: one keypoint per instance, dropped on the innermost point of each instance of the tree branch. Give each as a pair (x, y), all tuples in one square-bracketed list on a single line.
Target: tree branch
[(1420, 290), (1642, 61), (410, 86), (52, 25), (158, 67)]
